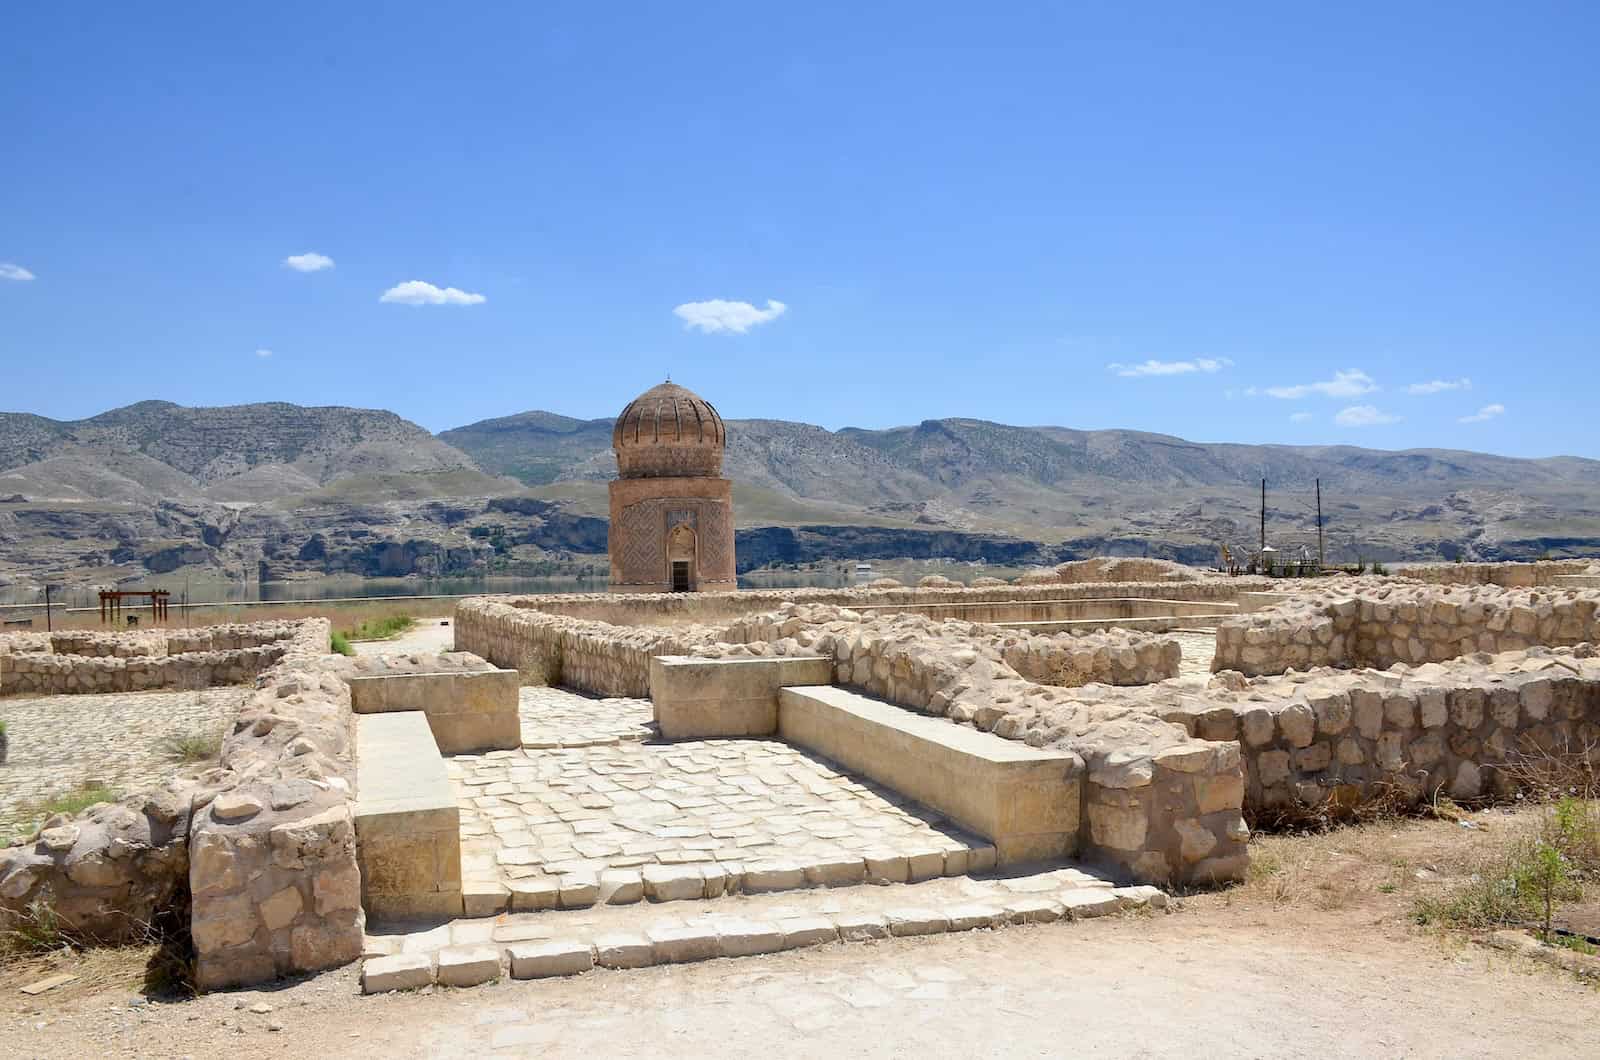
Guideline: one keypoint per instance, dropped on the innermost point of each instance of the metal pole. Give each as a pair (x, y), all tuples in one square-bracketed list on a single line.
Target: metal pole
[(1320, 557), (1263, 515), (49, 626)]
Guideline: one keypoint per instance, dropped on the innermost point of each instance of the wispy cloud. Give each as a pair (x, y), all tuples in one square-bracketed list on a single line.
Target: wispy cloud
[(310, 261), (263, 353), (420, 292), (1439, 386), (1364, 416), (10, 271), (1300, 417), (721, 315), (1488, 412), (1153, 367), (1346, 384)]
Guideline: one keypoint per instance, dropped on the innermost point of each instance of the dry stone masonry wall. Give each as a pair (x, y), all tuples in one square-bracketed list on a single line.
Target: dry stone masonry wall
[(261, 849), (1380, 623), (73, 662), (1343, 737)]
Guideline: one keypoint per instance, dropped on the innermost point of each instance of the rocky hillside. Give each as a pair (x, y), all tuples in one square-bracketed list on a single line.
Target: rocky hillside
[(283, 492), (156, 450), (1100, 490)]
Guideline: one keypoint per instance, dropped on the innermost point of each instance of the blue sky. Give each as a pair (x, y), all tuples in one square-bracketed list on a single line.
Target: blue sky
[(1275, 220)]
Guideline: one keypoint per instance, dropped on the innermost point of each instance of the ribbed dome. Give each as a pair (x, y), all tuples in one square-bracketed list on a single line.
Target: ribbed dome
[(669, 431)]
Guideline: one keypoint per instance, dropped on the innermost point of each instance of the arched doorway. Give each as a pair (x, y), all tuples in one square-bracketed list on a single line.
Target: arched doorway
[(681, 559)]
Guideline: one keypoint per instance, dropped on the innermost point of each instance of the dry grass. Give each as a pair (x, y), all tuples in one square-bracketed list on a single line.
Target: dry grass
[(351, 615)]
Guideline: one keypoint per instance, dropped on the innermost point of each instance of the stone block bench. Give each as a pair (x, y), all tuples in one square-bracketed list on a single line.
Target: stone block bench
[(701, 699), (467, 711), (1022, 799), (408, 827)]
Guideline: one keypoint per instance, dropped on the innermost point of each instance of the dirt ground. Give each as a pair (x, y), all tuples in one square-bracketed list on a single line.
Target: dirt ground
[(1318, 954)]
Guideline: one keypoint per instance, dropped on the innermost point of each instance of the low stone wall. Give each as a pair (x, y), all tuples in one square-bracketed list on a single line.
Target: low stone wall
[(79, 661), (260, 850), (1117, 570), (1157, 803), (1505, 575), (1113, 657), (1381, 623), (83, 674), (688, 609), (1349, 736), (556, 649)]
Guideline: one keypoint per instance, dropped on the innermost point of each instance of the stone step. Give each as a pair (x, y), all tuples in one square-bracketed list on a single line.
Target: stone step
[(1024, 800), (531, 946), (954, 856)]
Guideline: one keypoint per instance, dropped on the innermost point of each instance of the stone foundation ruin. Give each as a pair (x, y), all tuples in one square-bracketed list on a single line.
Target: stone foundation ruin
[(966, 730)]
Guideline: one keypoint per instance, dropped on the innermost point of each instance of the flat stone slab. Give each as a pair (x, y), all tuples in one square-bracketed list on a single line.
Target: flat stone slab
[(408, 826), (698, 698), (1023, 799), (638, 937)]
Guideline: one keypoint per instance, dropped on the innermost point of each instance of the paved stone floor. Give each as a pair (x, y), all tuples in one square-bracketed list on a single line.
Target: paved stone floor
[(556, 717), (60, 742), (1199, 648), (551, 812)]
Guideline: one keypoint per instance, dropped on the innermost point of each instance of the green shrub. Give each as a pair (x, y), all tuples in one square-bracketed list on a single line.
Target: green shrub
[(341, 643), (193, 746), (381, 628)]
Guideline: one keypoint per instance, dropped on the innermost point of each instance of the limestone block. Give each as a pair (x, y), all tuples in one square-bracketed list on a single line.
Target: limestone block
[(1298, 724), (673, 883), (807, 931), (1433, 708), (857, 927), (1086, 902), (672, 944), (623, 950), (468, 965), (907, 921), (579, 890), (621, 886), (403, 971), (1116, 827), (745, 938), (1217, 792), (1197, 841), (1257, 727), (539, 960), (1272, 767), (1367, 707), (764, 876), (840, 871)]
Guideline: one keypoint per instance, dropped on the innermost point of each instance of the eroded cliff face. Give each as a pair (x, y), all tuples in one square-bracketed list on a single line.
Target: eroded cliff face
[(104, 543)]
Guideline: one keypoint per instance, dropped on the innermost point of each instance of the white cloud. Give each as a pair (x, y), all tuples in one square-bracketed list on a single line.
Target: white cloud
[(310, 261), (1488, 412), (1153, 367), (8, 271), (1352, 383), (1439, 386), (1363, 416), (419, 292), (1300, 417), (721, 315), (263, 353)]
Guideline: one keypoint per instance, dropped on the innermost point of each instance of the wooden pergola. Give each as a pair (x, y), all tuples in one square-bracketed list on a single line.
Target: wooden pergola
[(111, 603)]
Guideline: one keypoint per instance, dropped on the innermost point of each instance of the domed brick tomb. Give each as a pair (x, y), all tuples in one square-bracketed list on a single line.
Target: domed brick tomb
[(671, 509)]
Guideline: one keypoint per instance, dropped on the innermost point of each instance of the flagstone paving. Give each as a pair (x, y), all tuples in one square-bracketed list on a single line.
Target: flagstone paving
[(734, 814), (556, 717)]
